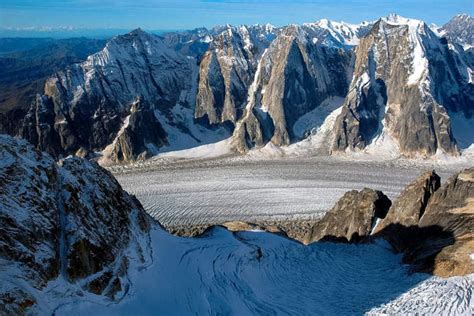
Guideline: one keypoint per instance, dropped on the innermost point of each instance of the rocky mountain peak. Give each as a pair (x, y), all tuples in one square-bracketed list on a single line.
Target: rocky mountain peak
[(399, 61), (138, 32), (460, 30), (394, 18)]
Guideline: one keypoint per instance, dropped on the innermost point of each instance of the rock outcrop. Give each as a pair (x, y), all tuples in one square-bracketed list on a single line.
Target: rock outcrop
[(61, 224), (140, 136), (410, 205), (452, 208), (352, 218), (433, 226)]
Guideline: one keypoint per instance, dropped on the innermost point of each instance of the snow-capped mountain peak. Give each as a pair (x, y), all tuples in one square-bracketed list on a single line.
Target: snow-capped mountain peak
[(396, 19), (460, 30), (346, 33)]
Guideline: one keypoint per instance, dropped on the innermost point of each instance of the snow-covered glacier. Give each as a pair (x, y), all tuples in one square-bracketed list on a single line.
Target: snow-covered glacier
[(250, 273)]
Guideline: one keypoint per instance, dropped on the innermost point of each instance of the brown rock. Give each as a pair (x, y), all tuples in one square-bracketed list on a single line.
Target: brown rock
[(352, 218), (442, 240), (452, 208), (408, 208)]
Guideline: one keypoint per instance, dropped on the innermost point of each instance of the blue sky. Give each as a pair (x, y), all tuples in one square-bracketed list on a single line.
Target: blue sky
[(185, 14)]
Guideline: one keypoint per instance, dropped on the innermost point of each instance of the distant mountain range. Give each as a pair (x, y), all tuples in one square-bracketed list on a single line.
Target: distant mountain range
[(65, 32), (393, 85)]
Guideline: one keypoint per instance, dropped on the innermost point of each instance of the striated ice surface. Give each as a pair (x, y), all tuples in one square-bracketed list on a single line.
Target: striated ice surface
[(214, 191)]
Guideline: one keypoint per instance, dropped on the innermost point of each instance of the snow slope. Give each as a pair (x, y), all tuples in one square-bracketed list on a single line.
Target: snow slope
[(253, 273)]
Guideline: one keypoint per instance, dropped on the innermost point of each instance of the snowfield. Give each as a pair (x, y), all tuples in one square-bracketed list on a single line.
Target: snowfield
[(257, 273), (179, 192)]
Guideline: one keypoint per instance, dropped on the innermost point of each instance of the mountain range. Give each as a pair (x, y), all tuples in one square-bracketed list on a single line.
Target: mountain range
[(394, 84)]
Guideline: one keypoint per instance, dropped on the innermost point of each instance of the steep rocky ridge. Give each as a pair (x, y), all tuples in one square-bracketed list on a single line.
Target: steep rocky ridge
[(451, 208), (302, 67), (406, 82), (85, 106), (431, 225), (66, 225), (227, 69), (24, 70), (460, 30), (411, 204)]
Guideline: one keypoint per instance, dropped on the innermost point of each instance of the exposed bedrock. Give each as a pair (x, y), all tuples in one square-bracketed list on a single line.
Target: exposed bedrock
[(352, 218), (64, 222), (431, 225)]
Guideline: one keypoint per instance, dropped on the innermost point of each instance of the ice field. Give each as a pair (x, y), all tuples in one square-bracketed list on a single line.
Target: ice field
[(215, 191)]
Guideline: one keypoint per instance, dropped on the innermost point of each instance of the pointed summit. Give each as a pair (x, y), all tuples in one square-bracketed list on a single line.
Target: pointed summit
[(139, 32), (460, 30)]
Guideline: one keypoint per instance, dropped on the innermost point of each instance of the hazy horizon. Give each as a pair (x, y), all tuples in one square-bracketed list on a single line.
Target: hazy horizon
[(28, 18)]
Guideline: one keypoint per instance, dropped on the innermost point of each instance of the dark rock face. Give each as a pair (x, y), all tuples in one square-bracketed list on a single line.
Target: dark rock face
[(406, 81), (29, 222), (452, 208), (411, 204), (141, 137), (38, 127), (226, 71), (65, 222), (433, 226), (352, 218)]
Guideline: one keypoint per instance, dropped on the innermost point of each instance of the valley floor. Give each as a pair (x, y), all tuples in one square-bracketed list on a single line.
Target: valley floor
[(211, 191)]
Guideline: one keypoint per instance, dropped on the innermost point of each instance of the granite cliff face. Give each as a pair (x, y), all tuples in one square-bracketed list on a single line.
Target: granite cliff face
[(302, 67), (64, 226), (451, 208), (406, 82), (227, 69), (432, 226), (411, 204)]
